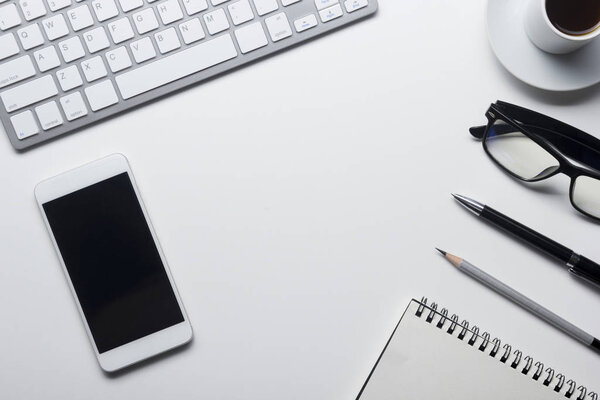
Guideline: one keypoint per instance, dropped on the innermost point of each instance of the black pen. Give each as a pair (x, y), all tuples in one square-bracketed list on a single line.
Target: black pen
[(577, 264)]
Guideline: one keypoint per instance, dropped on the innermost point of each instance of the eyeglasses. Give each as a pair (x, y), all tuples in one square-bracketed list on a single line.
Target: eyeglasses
[(531, 147)]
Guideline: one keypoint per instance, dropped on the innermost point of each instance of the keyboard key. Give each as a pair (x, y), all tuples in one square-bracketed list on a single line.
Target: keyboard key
[(56, 5), (120, 30), (29, 93), (240, 12), (69, 78), (9, 17), (8, 46), (354, 5), (16, 70), (302, 24), (49, 115), (322, 4), (104, 9), (93, 69), (191, 31), (251, 37), (279, 27), (128, 5), (169, 11), (73, 106), (167, 40), (30, 36), (142, 50), (71, 49), (217, 2), (32, 9), (194, 6), (216, 21), (288, 2), (145, 21), (176, 66), (118, 59), (96, 40), (46, 58), (331, 13), (265, 6), (55, 27), (101, 95), (24, 124), (80, 17)]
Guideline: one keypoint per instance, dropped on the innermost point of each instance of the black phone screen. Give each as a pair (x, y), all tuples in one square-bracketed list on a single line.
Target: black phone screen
[(113, 262)]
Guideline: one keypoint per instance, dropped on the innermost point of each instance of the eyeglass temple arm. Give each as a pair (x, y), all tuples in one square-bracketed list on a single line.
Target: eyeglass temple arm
[(477, 131), (544, 121)]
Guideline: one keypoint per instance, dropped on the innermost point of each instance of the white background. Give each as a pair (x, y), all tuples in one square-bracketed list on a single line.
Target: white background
[(298, 202)]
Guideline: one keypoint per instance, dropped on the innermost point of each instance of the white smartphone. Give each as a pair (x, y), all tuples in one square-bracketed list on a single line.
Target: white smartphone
[(113, 262)]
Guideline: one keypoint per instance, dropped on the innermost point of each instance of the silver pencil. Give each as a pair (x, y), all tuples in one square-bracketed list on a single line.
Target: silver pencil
[(521, 300)]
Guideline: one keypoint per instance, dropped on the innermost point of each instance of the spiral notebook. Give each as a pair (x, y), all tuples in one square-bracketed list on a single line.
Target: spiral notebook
[(433, 356)]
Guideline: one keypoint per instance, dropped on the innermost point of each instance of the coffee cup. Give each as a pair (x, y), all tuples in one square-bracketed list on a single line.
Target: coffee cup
[(562, 26)]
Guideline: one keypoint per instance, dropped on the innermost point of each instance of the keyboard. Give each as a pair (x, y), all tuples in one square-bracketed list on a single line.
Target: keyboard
[(65, 64)]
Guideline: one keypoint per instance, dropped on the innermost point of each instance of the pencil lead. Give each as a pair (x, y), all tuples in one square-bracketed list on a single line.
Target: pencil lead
[(441, 251)]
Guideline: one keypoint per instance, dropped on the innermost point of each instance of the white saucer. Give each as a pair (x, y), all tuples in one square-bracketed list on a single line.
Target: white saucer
[(533, 66)]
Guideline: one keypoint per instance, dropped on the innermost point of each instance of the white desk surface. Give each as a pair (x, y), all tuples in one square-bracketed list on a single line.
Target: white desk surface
[(298, 202)]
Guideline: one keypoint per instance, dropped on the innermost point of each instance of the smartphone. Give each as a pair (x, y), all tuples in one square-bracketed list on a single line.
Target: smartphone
[(113, 263)]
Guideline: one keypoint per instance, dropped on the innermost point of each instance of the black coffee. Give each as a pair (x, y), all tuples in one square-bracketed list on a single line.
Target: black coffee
[(574, 17)]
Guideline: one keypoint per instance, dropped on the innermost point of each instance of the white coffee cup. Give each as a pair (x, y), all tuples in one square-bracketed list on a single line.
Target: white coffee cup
[(546, 36)]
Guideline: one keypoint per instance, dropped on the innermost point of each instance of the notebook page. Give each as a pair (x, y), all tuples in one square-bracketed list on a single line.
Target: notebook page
[(424, 362)]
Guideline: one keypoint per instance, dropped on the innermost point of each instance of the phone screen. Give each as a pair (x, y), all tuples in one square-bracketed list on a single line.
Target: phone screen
[(113, 262)]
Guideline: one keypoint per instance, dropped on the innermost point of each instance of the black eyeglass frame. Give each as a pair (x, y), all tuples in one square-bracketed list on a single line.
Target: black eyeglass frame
[(538, 127)]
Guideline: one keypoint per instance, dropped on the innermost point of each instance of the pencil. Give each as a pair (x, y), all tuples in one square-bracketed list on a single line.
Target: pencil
[(522, 300)]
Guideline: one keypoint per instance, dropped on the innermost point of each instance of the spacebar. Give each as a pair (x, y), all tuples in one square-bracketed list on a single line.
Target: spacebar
[(176, 66)]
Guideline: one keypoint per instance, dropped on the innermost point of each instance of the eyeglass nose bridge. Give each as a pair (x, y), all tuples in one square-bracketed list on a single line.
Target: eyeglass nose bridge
[(570, 170)]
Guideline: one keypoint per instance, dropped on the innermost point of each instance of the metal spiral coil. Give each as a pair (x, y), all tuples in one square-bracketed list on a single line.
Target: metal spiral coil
[(518, 354), (561, 382), (474, 336), (507, 350), (571, 389), (443, 319), (507, 355), (486, 340), (528, 365)]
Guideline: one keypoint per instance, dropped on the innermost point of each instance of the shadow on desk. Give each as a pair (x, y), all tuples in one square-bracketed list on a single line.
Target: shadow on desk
[(145, 363)]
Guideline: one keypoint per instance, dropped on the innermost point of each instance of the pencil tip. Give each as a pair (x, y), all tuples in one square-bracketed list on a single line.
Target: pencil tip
[(455, 195), (441, 251)]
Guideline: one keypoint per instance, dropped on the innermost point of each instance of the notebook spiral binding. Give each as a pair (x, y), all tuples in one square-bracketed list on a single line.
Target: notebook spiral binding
[(514, 358)]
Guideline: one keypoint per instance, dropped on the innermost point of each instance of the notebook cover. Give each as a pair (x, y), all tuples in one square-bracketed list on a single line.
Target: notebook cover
[(430, 356)]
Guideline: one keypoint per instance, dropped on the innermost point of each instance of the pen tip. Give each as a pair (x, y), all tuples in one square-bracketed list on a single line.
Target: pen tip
[(441, 251)]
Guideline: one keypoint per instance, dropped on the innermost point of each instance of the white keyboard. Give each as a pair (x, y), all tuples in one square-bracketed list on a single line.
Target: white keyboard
[(65, 64)]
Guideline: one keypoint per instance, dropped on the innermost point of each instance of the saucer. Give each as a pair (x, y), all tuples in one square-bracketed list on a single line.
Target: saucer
[(560, 73)]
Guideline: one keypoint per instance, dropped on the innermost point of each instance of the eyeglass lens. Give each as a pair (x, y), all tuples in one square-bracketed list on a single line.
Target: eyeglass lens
[(518, 153), (586, 195)]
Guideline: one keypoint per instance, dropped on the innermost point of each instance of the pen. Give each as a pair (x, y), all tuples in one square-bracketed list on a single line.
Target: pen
[(578, 265), (521, 300)]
